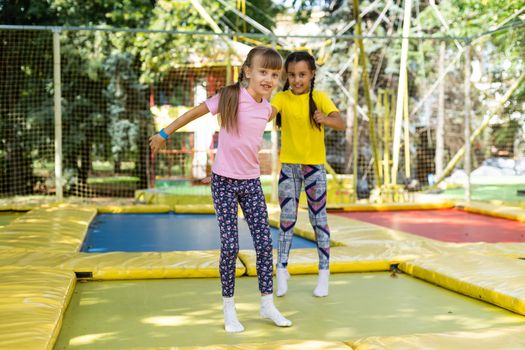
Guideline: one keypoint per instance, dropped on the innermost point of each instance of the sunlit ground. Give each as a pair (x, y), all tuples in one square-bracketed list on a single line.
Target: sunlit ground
[(7, 216), (181, 312)]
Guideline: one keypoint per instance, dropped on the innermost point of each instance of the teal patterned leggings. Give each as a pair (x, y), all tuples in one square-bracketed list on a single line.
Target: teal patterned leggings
[(290, 183)]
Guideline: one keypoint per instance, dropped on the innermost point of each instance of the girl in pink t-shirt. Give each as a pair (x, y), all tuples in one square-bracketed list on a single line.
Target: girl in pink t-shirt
[(235, 181)]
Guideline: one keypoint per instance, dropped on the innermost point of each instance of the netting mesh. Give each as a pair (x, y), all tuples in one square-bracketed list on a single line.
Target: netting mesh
[(26, 113), (117, 91)]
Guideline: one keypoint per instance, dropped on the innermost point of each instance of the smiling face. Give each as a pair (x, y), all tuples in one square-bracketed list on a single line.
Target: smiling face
[(261, 80), (299, 77)]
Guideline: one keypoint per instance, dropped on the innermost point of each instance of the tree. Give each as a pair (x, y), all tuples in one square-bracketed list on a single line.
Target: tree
[(26, 107), (262, 11), (24, 102)]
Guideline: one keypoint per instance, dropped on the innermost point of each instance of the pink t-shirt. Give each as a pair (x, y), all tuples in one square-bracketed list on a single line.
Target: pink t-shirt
[(238, 155)]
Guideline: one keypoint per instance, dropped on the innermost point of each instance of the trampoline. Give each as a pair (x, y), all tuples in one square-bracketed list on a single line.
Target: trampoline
[(7, 216), (167, 299), (448, 225), (165, 232), (173, 313)]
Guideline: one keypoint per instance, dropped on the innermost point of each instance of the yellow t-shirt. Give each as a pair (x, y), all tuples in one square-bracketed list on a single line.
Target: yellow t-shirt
[(300, 142)]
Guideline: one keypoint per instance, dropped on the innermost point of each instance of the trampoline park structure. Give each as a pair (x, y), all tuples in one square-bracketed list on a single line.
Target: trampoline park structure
[(389, 289)]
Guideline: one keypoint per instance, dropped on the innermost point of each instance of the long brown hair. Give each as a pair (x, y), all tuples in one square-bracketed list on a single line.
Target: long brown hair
[(295, 57), (229, 99)]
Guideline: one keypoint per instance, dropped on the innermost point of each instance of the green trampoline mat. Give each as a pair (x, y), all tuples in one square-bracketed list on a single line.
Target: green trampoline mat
[(182, 312), (7, 216)]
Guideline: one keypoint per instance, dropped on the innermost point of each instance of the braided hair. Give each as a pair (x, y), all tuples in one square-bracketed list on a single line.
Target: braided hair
[(295, 57), (229, 95)]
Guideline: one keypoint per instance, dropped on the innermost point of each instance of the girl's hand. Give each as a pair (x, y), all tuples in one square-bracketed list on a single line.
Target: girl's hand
[(206, 180), (320, 117), (156, 142), (333, 120)]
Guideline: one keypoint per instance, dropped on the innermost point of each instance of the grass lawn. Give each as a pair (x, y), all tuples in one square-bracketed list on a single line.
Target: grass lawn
[(498, 194)]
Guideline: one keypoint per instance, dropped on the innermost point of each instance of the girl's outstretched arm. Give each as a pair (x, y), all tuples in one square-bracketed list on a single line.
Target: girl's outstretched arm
[(156, 141), (332, 120)]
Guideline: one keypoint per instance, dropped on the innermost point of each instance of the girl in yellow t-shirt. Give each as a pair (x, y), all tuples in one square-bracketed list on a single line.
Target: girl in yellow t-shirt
[(303, 113)]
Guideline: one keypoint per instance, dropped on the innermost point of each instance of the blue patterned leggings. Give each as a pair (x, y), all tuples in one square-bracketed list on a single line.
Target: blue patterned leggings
[(227, 194), (290, 183)]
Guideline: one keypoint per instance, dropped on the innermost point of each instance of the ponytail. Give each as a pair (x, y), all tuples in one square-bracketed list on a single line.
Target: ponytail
[(229, 104), (312, 106)]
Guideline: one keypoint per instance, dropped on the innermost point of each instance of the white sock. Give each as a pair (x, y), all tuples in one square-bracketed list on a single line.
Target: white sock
[(322, 283), (269, 311), (282, 281), (231, 322)]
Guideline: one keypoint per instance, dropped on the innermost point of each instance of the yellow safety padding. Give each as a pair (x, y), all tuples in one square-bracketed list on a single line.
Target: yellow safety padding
[(32, 304), (121, 265), (511, 250), (399, 206), (18, 207), (57, 228), (361, 257), (345, 231), (172, 199), (486, 339), (275, 345), (510, 213), (495, 279), (337, 197), (143, 265), (33, 258), (134, 209), (194, 208), (155, 197)]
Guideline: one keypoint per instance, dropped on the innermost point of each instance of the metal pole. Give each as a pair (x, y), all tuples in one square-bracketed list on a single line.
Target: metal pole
[(57, 87), (355, 128), (380, 120), (275, 157), (366, 90), (467, 123), (440, 127), (406, 130), (398, 121), (387, 132)]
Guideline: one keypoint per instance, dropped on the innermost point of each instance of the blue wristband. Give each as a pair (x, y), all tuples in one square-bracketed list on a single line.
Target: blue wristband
[(163, 134)]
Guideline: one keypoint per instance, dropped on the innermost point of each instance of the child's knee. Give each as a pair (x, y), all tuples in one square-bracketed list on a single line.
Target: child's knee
[(265, 247), (229, 251)]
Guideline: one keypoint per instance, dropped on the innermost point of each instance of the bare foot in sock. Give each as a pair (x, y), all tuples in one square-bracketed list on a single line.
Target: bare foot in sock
[(231, 322), (269, 311), (282, 281), (322, 284)]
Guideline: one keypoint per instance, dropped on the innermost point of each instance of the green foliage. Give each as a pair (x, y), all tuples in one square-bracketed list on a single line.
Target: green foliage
[(26, 12), (122, 93), (263, 12), (24, 113), (120, 13), (505, 134), (161, 52), (469, 18)]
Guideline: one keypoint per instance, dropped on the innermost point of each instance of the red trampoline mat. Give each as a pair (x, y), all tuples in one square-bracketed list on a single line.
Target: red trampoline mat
[(449, 225)]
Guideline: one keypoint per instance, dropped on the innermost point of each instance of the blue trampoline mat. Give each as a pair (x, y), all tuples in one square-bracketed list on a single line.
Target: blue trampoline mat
[(165, 232)]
